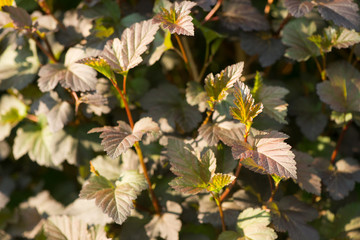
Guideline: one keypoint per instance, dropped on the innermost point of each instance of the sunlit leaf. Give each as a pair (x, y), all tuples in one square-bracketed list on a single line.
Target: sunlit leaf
[(166, 106), (219, 181), (50, 75), (196, 95), (193, 174), (342, 12), (217, 86), (342, 91), (246, 109), (341, 180), (307, 175), (241, 14), (177, 18), (298, 8), (100, 65), (208, 132), (168, 225), (295, 35), (124, 54), (12, 110), (116, 140), (115, 199), (291, 215), (19, 16)]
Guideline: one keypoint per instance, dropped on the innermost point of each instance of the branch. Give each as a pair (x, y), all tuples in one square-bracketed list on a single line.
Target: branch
[(228, 189), (212, 12), (341, 137), (218, 203)]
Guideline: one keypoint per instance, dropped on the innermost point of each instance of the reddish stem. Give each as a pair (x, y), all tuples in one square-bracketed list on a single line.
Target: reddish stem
[(227, 191), (282, 25), (341, 137), (218, 203), (213, 11)]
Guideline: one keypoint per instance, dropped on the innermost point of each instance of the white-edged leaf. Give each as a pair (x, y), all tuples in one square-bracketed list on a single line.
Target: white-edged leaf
[(342, 92), (193, 174), (50, 75), (177, 18), (166, 226), (115, 199), (65, 228), (116, 140)]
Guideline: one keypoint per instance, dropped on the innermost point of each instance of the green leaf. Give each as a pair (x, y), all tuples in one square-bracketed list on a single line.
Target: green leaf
[(177, 18), (219, 181), (12, 110), (295, 35), (347, 220), (34, 140), (217, 86), (193, 174), (115, 199), (230, 235), (116, 140), (245, 110), (342, 92), (100, 65)]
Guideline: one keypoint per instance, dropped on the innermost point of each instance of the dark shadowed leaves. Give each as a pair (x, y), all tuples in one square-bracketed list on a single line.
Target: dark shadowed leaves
[(291, 215), (263, 44), (241, 14), (340, 180), (347, 221), (205, 4), (167, 225), (246, 109), (342, 12), (251, 224), (124, 54), (264, 152), (166, 106), (19, 16), (307, 175), (298, 8), (7, 186), (115, 199), (342, 92), (217, 86), (295, 35), (177, 18), (58, 113), (116, 140)]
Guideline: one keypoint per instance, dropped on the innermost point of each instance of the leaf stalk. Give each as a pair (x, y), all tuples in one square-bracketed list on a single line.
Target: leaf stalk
[(341, 137), (221, 212)]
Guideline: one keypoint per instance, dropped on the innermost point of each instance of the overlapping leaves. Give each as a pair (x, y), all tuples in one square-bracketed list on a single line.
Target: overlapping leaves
[(116, 140), (264, 152), (342, 92), (194, 174), (217, 86), (251, 224), (115, 199), (177, 18)]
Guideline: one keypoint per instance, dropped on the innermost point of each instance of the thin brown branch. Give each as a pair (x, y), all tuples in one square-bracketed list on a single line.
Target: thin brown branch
[(218, 203), (32, 117), (124, 84), (228, 189), (41, 47), (192, 64), (182, 49), (341, 137), (273, 192), (282, 25), (208, 115), (212, 12)]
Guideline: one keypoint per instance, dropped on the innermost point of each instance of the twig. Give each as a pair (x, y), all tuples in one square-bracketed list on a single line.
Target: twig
[(228, 189), (273, 192), (282, 25), (212, 12), (192, 64), (321, 71), (208, 115), (41, 47), (124, 84), (182, 49), (218, 203), (341, 137)]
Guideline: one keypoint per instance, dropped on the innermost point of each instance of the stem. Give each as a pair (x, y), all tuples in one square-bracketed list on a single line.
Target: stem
[(49, 48), (32, 117), (181, 49), (218, 203), (228, 189), (192, 64), (138, 150), (208, 115), (270, 182), (321, 71), (273, 192), (76, 99), (40, 46), (212, 12), (124, 84), (267, 7), (282, 25), (336, 150)]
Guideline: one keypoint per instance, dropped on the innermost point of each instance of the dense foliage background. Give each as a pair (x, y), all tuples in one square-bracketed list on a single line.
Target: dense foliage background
[(138, 119)]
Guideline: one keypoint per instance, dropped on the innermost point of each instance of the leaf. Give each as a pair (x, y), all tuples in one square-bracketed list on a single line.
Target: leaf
[(309, 116), (116, 140), (347, 220), (96, 102), (35, 141), (58, 113), (12, 111), (115, 199), (19, 16), (193, 174), (177, 18), (342, 12), (50, 75), (230, 235), (219, 181), (124, 54), (166, 106), (196, 95), (216, 87), (18, 65), (263, 44), (165, 45), (166, 226), (345, 38), (205, 4), (264, 152), (241, 14), (5, 3), (246, 109), (100, 65), (341, 180), (307, 175), (272, 99), (298, 8), (291, 215), (208, 133), (295, 35), (342, 91)]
